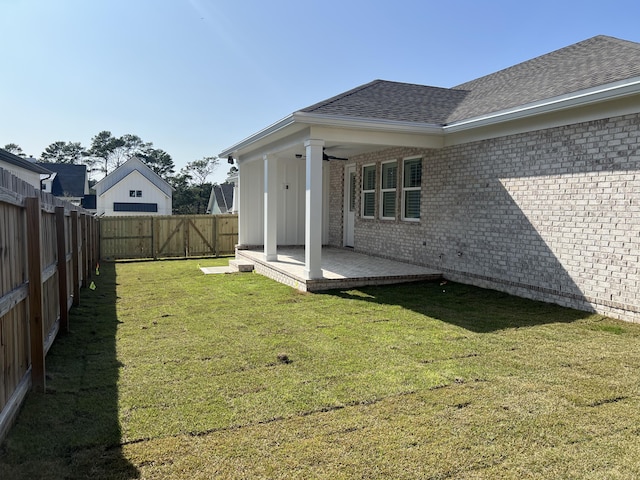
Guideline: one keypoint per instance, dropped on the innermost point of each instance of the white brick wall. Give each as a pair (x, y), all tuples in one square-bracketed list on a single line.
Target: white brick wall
[(552, 215)]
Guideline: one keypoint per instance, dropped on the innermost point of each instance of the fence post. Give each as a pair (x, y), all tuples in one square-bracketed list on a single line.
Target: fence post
[(63, 293), (83, 247), (216, 243), (76, 259), (36, 324), (96, 240)]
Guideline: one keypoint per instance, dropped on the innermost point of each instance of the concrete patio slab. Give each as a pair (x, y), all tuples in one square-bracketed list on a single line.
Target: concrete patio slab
[(341, 268), (213, 270)]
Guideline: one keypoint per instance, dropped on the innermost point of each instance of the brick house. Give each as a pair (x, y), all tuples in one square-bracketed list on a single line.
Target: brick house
[(526, 180)]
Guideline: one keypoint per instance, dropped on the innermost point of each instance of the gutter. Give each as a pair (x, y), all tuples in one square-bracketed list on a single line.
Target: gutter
[(338, 121), (400, 126)]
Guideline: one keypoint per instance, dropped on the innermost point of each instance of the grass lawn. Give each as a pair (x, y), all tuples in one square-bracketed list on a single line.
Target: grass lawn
[(168, 374)]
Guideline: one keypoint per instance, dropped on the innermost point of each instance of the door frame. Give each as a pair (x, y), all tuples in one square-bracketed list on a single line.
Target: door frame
[(349, 213)]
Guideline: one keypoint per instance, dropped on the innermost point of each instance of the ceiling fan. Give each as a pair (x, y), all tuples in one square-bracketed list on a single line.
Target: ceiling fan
[(325, 157)]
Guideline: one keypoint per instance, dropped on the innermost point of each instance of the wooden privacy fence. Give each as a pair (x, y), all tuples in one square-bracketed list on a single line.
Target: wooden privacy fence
[(168, 236), (47, 251)]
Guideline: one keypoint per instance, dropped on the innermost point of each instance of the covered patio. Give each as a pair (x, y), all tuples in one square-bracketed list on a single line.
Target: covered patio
[(292, 173), (341, 268)]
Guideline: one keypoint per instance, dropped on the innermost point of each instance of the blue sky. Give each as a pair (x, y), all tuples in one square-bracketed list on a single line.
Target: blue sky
[(196, 76)]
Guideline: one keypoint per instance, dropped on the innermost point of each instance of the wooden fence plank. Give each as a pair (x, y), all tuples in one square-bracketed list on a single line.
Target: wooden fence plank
[(75, 252), (36, 323), (63, 294)]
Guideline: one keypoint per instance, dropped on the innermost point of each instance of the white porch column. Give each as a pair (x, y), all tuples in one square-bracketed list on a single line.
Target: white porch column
[(236, 209), (313, 210), (270, 208)]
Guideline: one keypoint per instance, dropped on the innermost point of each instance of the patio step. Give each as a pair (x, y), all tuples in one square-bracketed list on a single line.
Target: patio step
[(241, 265)]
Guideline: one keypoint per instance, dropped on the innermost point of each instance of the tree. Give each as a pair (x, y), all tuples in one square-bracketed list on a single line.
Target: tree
[(64, 152), (199, 170), (131, 146), (189, 199), (159, 161), (15, 149), (102, 149), (108, 152)]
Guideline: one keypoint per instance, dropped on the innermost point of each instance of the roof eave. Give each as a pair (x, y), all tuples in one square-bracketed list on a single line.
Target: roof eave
[(256, 137), (341, 121), (367, 123)]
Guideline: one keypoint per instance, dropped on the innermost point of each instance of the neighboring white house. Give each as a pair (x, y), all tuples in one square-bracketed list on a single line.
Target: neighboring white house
[(133, 189), (23, 169)]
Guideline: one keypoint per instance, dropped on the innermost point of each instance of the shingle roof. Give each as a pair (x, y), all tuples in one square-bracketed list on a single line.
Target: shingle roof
[(223, 196), (590, 63), (386, 100), (70, 179), (21, 162), (597, 61)]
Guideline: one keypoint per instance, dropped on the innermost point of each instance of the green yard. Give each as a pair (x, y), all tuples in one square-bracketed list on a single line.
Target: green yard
[(168, 374)]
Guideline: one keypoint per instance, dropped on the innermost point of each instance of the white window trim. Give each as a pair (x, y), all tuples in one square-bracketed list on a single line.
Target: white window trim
[(363, 191), (407, 189), (388, 190)]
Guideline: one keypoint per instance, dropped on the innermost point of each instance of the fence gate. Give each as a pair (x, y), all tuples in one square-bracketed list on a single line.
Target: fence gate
[(168, 236)]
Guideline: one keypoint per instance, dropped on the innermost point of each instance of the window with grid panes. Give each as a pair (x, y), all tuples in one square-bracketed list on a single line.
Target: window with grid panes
[(389, 182), (369, 191), (411, 185)]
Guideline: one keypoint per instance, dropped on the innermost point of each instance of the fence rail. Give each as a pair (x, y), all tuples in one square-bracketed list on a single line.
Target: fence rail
[(47, 248), (167, 236)]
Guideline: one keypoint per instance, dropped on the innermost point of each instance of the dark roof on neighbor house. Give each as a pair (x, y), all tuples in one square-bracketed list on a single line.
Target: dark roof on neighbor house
[(224, 196), (597, 61), (70, 179), (17, 161)]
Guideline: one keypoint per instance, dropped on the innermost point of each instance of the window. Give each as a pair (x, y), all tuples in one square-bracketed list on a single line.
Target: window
[(135, 193), (369, 191), (134, 207), (389, 182), (138, 193), (411, 184)]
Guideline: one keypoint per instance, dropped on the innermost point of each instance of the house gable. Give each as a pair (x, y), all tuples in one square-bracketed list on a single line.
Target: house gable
[(221, 199), (134, 193), (69, 180), (131, 165)]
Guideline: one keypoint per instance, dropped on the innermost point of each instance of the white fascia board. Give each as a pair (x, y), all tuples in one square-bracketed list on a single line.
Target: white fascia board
[(367, 123), (580, 98), (308, 119)]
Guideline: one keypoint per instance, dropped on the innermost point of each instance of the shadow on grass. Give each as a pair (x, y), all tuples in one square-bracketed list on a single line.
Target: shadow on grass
[(73, 431), (473, 308)]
